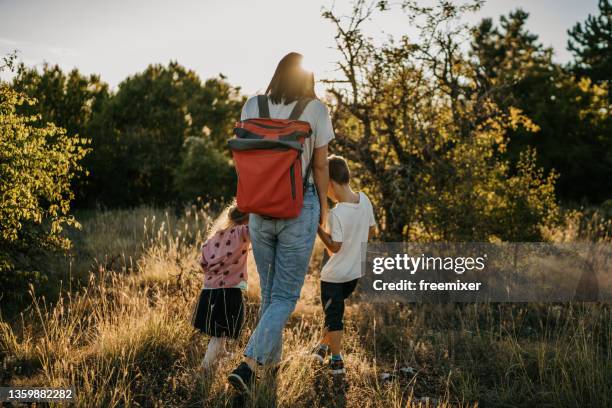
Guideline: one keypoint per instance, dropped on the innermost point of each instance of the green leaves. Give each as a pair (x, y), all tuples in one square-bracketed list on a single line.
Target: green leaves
[(138, 136), (37, 166), (571, 114), (591, 44), (137, 133), (204, 172)]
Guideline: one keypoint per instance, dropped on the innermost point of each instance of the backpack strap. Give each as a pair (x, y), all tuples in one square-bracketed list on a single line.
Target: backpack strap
[(262, 105), (297, 111), (299, 107)]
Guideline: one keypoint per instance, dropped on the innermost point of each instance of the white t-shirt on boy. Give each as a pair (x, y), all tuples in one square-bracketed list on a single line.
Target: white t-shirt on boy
[(350, 224)]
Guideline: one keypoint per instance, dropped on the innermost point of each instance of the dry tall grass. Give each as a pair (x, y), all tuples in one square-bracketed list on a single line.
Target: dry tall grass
[(124, 338)]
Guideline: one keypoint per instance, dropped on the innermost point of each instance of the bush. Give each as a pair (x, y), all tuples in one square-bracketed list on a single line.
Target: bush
[(204, 172), (37, 166)]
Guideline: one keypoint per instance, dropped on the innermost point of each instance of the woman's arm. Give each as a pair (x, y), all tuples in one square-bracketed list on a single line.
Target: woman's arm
[(320, 173)]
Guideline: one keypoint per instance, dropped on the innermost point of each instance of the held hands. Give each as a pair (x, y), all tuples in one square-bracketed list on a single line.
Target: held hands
[(331, 246), (324, 236)]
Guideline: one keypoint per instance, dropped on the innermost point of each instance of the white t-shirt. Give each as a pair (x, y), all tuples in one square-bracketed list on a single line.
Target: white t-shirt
[(350, 224), (315, 113)]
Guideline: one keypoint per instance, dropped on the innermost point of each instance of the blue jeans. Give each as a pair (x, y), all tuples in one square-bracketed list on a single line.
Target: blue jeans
[(282, 249)]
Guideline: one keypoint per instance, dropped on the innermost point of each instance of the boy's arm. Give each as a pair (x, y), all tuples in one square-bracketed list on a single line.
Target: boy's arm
[(331, 245)]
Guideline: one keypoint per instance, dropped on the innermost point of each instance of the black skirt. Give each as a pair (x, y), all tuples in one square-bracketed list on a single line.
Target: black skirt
[(219, 312)]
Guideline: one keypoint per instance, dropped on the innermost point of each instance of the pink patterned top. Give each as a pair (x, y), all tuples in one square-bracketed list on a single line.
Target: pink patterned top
[(224, 258)]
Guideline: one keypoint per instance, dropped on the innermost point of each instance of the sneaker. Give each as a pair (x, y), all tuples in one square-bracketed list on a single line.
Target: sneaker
[(319, 353), (336, 367), (242, 378)]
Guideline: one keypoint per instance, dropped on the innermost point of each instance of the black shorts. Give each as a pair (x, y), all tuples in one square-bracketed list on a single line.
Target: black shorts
[(219, 312), (333, 296)]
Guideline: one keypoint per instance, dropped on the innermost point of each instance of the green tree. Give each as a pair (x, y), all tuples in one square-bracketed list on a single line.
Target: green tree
[(69, 100), (37, 165), (137, 132), (138, 136), (591, 44), (424, 137), (204, 172), (573, 137)]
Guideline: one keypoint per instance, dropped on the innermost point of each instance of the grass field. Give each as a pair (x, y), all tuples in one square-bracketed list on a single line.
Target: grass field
[(123, 338)]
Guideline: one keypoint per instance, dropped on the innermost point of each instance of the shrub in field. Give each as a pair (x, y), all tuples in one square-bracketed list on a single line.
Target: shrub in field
[(204, 172), (37, 165)]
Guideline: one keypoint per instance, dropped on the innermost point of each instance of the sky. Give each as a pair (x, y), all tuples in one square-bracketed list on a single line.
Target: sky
[(241, 39)]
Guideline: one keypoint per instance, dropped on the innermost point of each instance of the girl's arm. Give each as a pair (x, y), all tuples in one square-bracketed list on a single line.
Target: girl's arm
[(244, 231), (202, 260)]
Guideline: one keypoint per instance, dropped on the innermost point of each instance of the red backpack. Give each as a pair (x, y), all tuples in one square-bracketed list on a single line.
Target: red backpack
[(268, 157)]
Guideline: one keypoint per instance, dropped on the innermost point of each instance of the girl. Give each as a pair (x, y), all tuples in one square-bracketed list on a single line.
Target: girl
[(219, 311)]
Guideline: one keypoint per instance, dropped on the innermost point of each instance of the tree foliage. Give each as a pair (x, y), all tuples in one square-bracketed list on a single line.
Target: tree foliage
[(138, 133), (37, 165), (425, 136), (591, 44), (69, 100), (204, 172), (514, 69)]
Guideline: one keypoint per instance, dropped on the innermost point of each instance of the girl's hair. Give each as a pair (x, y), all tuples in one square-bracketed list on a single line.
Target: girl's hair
[(290, 81), (229, 217)]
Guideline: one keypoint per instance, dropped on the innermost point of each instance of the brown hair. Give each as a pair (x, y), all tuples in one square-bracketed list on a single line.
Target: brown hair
[(236, 215), (338, 169), (229, 217), (290, 81)]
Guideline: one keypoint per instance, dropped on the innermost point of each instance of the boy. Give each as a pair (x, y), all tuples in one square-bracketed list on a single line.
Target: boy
[(351, 223)]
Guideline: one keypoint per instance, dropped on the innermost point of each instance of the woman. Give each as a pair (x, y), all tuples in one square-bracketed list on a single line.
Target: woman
[(282, 247)]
